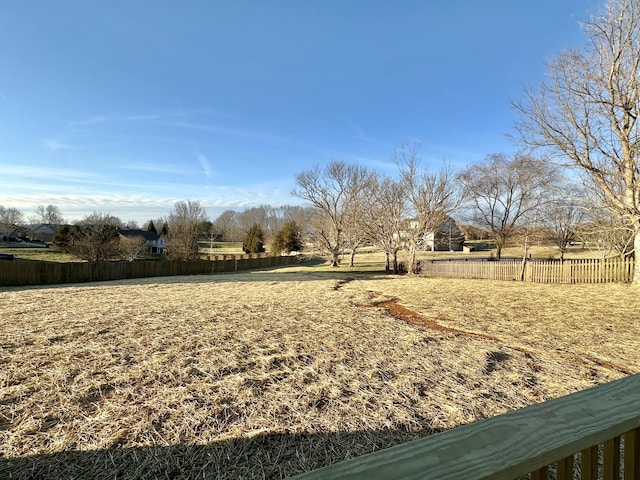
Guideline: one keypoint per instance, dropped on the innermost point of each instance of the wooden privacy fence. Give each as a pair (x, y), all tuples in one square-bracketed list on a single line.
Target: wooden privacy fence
[(590, 270), (591, 434), (48, 273)]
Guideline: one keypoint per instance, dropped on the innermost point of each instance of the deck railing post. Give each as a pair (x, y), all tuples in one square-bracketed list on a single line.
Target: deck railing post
[(632, 454), (589, 463), (565, 468), (611, 459)]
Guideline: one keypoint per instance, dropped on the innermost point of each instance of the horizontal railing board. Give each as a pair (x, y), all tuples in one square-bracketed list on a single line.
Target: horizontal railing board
[(506, 446)]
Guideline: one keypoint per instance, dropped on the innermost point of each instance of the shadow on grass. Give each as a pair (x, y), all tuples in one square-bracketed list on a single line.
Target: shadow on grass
[(269, 456)]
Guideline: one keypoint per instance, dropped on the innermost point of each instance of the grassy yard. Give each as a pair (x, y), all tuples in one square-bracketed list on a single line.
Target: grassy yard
[(220, 248), (267, 374), (51, 254)]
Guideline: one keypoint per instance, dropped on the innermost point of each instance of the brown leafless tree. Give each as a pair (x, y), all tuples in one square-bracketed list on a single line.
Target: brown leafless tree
[(606, 232), (334, 191), (94, 238), (506, 193), (132, 247), (183, 229), (563, 217), (10, 219), (384, 215), (49, 214), (587, 112), (432, 196)]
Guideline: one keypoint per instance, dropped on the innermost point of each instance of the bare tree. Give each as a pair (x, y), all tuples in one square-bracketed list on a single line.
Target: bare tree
[(357, 232), (587, 111), (563, 218), (606, 233), (100, 218), (506, 193), (10, 219), (226, 225), (94, 238), (49, 214), (333, 191), (432, 197), (183, 229), (384, 214), (132, 247)]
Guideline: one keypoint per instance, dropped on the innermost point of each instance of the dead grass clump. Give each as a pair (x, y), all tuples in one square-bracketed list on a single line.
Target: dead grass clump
[(264, 375)]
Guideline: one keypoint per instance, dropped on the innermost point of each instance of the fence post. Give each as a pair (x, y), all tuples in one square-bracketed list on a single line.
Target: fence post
[(566, 271)]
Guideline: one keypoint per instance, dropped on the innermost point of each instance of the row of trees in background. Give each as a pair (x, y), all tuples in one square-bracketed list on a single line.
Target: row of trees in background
[(582, 125), (101, 236), (503, 198), (576, 179), (509, 198)]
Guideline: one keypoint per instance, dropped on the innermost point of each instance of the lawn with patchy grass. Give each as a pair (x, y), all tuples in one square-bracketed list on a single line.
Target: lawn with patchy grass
[(40, 254), (268, 374)]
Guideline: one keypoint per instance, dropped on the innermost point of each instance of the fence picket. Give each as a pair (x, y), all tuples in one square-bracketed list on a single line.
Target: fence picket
[(49, 273), (539, 271)]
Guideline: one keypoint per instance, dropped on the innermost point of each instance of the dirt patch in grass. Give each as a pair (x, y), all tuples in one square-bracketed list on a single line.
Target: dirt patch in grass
[(403, 313), (268, 374)]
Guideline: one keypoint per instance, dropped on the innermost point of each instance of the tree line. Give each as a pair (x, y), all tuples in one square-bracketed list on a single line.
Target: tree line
[(580, 141), (100, 236), (577, 174)]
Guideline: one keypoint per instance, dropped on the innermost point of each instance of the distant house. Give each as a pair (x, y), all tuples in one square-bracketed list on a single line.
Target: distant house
[(44, 232), (155, 241), (447, 237)]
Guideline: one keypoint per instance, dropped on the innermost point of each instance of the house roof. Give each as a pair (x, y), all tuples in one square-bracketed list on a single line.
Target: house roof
[(139, 233), (45, 228)]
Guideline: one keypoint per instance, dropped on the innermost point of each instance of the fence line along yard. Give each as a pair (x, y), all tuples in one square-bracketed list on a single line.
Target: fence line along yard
[(49, 273), (590, 270)]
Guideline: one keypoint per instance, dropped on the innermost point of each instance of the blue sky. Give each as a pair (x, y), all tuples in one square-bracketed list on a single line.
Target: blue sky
[(129, 106)]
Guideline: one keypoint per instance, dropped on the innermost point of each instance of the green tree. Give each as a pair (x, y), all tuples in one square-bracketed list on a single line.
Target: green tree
[(254, 241), (287, 239), (151, 227), (64, 235)]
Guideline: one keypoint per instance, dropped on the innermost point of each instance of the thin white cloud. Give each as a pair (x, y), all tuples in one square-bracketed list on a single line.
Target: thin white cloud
[(145, 117), (151, 167), (75, 206), (50, 174), (56, 145), (232, 131), (146, 205), (360, 134), (89, 121), (205, 164)]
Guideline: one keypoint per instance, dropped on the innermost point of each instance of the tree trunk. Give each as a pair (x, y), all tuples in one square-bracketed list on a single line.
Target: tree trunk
[(636, 255), (387, 265), (352, 257), (395, 262), (411, 268), (335, 257), (499, 247)]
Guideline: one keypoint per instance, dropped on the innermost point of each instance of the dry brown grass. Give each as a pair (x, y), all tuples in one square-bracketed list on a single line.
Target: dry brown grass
[(268, 374)]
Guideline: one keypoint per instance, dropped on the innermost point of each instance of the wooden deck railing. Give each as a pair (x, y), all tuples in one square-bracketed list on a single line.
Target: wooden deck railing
[(601, 425), (591, 270)]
